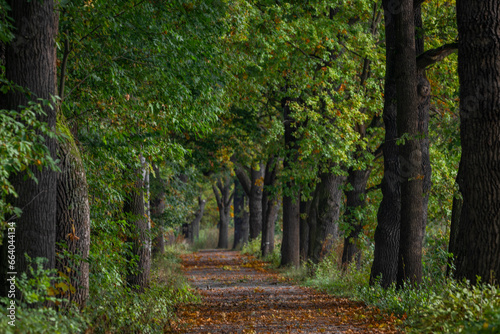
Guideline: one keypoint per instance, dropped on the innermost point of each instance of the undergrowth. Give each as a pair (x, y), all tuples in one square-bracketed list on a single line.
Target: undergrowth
[(112, 307), (439, 305)]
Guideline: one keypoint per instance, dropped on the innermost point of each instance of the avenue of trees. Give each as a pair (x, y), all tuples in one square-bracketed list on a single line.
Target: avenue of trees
[(373, 125)]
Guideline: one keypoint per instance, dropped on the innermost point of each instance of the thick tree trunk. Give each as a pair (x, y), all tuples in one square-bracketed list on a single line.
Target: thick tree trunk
[(241, 216), (269, 208), (290, 245), (157, 204), (410, 152), (424, 102), (255, 201), (73, 219), (267, 245), (224, 229), (195, 224), (477, 244), (305, 212), (134, 209), (253, 187), (325, 212), (389, 212), (355, 201), (30, 62), (222, 191)]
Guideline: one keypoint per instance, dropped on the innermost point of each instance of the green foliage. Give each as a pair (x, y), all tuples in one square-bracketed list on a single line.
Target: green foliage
[(112, 306), (5, 23), (252, 247), (458, 308), (330, 276), (37, 311), (438, 306), (22, 147)]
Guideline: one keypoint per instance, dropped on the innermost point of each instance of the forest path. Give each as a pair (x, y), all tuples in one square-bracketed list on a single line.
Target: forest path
[(240, 296)]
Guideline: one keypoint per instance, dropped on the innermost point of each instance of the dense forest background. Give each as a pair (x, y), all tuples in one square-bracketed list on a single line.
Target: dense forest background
[(353, 143)]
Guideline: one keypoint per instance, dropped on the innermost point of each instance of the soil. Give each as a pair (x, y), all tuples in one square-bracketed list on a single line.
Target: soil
[(240, 295)]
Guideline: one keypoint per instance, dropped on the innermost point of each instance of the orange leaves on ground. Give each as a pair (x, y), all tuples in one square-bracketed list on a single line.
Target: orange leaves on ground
[(241, 295)]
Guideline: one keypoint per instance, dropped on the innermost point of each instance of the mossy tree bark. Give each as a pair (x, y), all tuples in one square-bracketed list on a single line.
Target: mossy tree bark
[(73, 219)]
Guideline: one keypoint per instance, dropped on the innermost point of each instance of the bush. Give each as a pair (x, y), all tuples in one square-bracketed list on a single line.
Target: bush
[(252, 247), (112, 306), (38, 309), (122, 310), (329, 276), (459, 308)]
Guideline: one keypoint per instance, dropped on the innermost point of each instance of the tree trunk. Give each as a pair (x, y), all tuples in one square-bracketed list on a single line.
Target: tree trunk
[(424, 102), (290, 245), (270, 208), (157, 203), (255, 201), (134, 209), (267, 246), (477, 244), (305, 215), (389, 212), (73, 219), (195, 224), (241, 216), (410, 152), (30, 62), (355, 201), (223, 198), (253, 187), (325, 213)]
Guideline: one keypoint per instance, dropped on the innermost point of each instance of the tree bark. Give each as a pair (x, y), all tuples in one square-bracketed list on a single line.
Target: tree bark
[(305, 216), (424, 102), (157, 203), (73, 219), (355, 200), (223, 198), (253, 187), (195, 224), (324, 215), (270, 207), (134, 209), (241, 216), (477, 244), (389, 212), (290, 245), (410, 152), (30, 62)]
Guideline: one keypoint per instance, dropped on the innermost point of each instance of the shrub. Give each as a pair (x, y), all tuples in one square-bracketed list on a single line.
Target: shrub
[(38, 311), (252, 247)]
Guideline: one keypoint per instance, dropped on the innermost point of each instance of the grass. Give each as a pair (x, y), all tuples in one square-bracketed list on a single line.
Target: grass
[(439, 305), (209, 238)]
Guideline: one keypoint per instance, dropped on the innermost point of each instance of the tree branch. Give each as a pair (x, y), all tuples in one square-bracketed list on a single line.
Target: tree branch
[(244, 179), (217, 196), (433, 56)]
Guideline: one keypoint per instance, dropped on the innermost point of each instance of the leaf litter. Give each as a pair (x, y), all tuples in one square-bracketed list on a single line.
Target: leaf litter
[(239, 295)]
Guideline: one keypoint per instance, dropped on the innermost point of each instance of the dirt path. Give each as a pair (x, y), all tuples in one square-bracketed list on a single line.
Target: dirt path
[(240, 296)]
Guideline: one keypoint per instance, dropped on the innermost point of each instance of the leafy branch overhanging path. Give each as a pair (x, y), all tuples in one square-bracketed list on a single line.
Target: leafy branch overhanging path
[(241, 296)]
